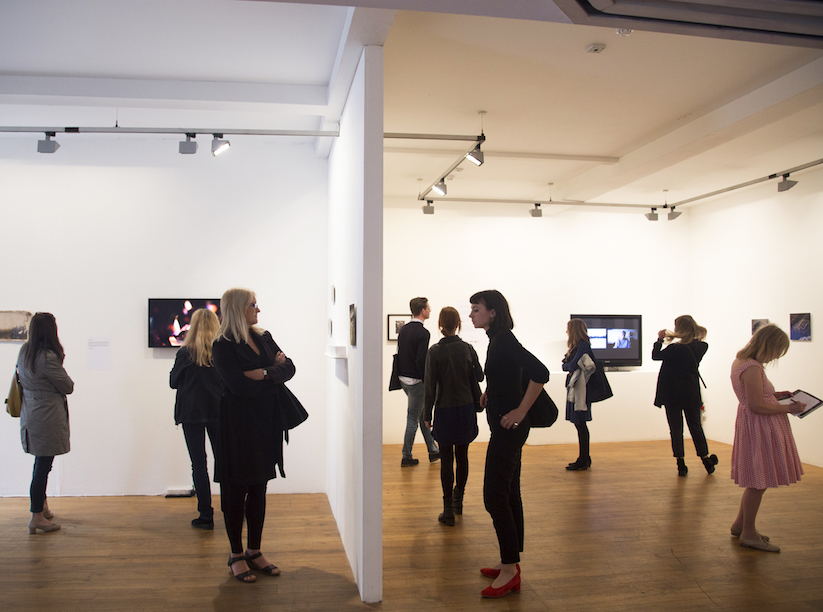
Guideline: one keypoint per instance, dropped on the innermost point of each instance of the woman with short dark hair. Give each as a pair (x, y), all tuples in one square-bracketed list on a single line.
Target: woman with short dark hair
[(44, 414), (507, 406), (452, 376)]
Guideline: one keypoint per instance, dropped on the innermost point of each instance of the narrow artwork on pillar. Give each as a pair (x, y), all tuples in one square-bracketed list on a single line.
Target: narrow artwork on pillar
[(14, 325), (801, 326), (352, 325)]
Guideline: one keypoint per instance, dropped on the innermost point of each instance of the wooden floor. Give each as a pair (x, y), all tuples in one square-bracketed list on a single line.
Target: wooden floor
[(626, 535)]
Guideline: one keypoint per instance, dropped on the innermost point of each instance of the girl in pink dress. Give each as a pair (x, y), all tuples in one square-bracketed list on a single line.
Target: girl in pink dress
[(764, 453)]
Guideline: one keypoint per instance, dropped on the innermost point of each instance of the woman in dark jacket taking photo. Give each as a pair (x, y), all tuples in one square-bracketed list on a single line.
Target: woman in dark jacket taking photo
[(199, 389), (678, 387)]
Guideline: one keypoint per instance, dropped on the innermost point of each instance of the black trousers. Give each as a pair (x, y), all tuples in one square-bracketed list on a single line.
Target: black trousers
[(675, 414), (501, 487), (238, 501), (39, 481), (195, 434)]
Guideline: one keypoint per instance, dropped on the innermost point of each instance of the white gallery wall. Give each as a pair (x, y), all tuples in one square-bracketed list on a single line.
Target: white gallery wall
[(94, 230), (355, 279), (756, 256), (749, 255)]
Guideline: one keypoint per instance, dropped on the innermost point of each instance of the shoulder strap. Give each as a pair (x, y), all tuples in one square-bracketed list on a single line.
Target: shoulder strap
[(697, 367)]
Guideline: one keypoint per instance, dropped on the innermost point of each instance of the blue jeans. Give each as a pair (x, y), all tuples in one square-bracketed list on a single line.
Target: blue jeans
[(413, 420), (195, 434)]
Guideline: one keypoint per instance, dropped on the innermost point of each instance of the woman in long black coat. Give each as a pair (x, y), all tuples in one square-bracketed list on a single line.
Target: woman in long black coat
[(250, 448), (678, 387), (199, 390)]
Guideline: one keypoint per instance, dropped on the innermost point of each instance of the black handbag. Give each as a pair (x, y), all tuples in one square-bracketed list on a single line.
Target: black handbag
[(394, 379), (598, 387), (543, 412), (291, 410)]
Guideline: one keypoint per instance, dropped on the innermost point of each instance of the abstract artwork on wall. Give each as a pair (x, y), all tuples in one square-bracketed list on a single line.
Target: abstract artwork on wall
[(801, 326)]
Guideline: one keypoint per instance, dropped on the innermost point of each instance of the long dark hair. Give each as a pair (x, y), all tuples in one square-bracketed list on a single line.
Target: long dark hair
[(492, 299), (43, 337)]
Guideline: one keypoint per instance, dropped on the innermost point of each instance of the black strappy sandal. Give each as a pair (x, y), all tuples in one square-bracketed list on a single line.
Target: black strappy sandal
[(245, 575), (269, 570)]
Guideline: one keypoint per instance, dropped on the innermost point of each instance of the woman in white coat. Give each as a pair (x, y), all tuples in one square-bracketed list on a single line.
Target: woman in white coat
[(44, 414)]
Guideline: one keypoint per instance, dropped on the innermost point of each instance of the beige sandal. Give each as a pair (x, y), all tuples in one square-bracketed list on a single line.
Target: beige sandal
[(759, 544)]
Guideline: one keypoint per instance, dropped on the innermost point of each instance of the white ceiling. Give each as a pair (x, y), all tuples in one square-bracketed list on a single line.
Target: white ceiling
[(659, 111)]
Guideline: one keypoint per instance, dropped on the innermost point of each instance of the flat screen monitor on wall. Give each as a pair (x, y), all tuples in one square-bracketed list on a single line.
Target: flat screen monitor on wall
[(170, 318), (617, 340)]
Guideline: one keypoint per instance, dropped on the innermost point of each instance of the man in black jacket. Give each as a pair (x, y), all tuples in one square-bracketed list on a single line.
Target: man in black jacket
[(412, 346)]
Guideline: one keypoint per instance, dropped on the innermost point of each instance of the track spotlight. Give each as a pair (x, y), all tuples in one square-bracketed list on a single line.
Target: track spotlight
[(536, 211), (219, 146), (428, 209), (783, 185), (475, 156), (440, 187), (48, 145), (188, 146), (674, 215), (652, 216)]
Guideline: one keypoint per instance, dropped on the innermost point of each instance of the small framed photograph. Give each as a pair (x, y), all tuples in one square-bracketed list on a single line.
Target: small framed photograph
[(14, 325), (395, 323), (801, 326), (758, 323)]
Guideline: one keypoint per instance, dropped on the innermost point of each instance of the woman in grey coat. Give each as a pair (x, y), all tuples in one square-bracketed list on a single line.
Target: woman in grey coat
[(44, 415)]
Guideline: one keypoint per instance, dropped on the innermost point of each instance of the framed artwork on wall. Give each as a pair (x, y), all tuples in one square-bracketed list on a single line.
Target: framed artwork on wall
[(801, 326), (758, 323), (14, 325), (394, 324), (352, 325)]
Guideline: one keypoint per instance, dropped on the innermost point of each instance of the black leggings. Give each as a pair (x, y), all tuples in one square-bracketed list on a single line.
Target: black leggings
[(448, 453), (583, 439), (39, 480), (238, 501)]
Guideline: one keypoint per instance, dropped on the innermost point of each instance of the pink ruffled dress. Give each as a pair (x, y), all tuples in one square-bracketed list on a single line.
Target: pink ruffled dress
[(764, 454)]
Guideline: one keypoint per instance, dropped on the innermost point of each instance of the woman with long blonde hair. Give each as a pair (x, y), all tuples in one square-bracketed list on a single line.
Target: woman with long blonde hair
[(199, 389), (764, 453), (578, 412), (253, 369), (678, 387)]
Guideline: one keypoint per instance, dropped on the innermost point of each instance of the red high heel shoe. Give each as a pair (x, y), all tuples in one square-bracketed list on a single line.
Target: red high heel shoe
[(511, 585), (490, 572)]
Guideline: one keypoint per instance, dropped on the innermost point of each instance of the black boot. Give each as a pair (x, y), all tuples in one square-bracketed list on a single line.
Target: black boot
[(447, 516), (457, 501), (709, 463), (682, 470)]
